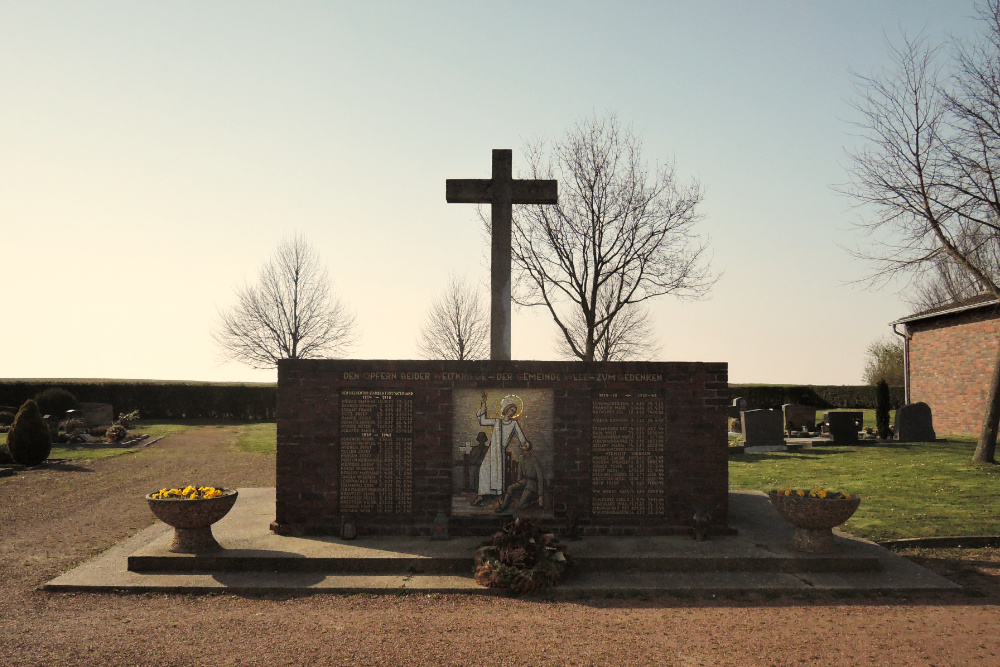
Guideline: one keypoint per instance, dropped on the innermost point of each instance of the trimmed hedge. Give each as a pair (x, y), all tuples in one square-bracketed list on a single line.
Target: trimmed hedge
[(178, 400), (161, 400), (822, 397)]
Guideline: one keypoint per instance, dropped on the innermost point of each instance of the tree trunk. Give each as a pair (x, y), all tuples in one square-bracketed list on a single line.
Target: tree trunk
[(986, 448)]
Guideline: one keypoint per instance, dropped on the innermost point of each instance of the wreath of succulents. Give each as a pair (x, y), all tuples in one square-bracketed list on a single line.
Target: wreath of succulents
[(521, 557), (813, 493)]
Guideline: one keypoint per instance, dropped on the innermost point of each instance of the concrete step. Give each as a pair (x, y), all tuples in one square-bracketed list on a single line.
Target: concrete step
[(256, 561), (249, 561)]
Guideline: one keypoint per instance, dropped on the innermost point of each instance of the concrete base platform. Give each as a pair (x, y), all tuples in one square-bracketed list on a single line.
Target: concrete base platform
[(256, 561)]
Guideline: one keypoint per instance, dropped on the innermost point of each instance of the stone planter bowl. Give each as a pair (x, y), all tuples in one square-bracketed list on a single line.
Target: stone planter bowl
[(192, 520), (813, 518)]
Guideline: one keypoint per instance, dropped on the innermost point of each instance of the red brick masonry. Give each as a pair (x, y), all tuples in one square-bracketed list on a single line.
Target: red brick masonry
[(308, 457), (951, 362)]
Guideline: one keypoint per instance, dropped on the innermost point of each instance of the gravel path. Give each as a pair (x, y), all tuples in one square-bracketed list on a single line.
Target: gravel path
[(53, 519)]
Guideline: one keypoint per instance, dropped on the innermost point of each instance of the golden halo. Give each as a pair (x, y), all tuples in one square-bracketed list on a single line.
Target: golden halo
[(517, 400)]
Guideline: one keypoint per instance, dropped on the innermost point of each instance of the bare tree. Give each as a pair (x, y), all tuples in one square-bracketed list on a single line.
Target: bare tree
[(457, 326), (884, 361), (630, 335), (290, 313), (928, 169), (619, 236), (945, 282)]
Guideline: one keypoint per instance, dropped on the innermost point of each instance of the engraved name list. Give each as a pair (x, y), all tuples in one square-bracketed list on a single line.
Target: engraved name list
[(376, 451)]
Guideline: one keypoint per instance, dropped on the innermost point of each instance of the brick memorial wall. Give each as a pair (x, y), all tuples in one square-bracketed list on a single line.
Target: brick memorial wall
[(624, 448)]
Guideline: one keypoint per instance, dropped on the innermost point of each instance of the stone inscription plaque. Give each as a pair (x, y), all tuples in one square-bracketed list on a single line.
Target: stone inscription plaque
[(376, 451), (627, 467)]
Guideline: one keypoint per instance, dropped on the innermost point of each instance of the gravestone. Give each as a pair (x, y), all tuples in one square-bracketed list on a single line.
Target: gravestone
[(796, 416), (763, 429), (96, 414), (844, 425), (738, 406), (914, 423)]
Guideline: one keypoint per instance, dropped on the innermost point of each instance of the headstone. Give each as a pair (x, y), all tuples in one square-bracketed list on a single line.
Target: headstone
[(843, 425), (799, 416), (914, 423), (763, 428), (96, 414), (738, 406), (500, 192)]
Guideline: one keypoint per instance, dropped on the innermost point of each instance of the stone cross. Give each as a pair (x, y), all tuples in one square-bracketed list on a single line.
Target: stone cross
[(500, 192)]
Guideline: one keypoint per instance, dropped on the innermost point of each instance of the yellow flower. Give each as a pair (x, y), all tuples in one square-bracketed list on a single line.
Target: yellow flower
[(800, 493), (788, 492)]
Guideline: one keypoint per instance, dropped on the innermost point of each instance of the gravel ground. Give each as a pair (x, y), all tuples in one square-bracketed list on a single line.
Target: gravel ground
[(53, 519)]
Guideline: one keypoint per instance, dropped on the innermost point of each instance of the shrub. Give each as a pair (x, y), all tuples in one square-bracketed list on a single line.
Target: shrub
[(128, 420), (55, 401), (116, 433), (882, 409), (98, 431), (163, 400), (735, 425), (821, 397), (884, 361), (6, 418), (72, 425), (28, 441)]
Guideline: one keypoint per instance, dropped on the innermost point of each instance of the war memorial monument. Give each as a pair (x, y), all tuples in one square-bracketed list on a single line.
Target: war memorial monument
[(394, 447)]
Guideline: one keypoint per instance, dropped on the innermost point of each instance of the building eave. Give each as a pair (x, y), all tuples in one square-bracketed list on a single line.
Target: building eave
[(947, 311)]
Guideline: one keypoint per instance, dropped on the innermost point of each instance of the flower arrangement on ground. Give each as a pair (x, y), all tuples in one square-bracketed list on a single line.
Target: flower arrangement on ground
[(521, 557), (813, 493), (187, 493)]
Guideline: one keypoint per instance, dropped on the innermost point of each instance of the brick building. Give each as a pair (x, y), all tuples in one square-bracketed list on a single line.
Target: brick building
[(949, 356)]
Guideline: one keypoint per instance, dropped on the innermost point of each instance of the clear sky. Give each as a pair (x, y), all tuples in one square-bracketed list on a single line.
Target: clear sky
[(152, 155)]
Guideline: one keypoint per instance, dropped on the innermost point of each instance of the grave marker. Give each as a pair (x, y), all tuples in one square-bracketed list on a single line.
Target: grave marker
[(763, 428), (844, 426), (799, 416), (914, 423)]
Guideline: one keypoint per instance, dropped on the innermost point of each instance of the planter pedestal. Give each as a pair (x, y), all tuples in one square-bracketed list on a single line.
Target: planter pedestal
[(194, 541), (819, 540), (813, 518), (192, 520)]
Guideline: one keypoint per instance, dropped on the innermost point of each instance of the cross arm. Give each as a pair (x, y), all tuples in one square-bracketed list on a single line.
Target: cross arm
[(468, 190), (535, 192)]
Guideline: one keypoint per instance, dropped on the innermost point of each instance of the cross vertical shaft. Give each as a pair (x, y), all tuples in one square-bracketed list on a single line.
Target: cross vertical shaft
[(500, 216)]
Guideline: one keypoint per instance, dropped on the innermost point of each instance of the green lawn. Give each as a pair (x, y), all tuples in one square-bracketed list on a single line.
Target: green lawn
[(258, 438), (907, 489), (82, 451)]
